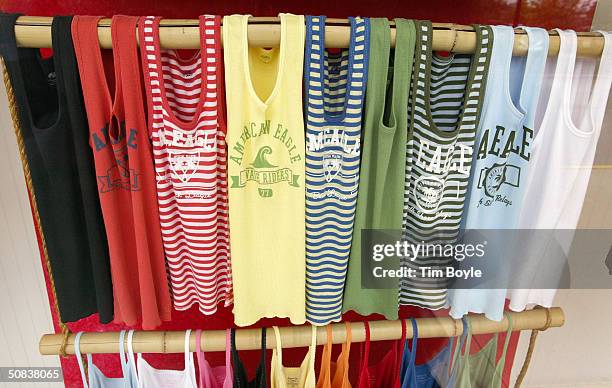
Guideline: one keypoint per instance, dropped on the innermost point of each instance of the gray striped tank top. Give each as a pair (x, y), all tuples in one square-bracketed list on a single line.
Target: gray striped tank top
[(445, 104)]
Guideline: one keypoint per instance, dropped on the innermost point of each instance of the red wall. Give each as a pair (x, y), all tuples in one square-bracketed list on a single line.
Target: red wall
[(543, 13)]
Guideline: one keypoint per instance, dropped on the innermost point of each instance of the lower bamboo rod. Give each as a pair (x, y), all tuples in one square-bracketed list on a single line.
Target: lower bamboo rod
[(35, 31), (299, 336)]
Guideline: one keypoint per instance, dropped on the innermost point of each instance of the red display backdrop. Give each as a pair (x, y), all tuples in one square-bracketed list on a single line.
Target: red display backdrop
[(543, 13)]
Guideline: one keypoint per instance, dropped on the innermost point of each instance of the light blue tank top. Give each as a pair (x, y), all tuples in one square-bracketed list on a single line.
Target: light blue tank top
[(334, 84), (97, 379), (501, 157)]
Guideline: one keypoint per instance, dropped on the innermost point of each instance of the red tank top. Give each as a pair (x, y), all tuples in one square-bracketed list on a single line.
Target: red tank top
[(187, 130), (124, 169), (385, 374)]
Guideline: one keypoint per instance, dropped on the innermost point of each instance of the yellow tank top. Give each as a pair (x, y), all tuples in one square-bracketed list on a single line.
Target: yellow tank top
[(265, 142), (296, 377)]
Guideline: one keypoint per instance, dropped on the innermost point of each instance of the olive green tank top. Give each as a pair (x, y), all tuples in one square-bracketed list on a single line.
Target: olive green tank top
[(380, 199)]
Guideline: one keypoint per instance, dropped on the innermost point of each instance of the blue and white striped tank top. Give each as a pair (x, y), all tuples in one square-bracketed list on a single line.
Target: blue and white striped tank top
[(335, 86)]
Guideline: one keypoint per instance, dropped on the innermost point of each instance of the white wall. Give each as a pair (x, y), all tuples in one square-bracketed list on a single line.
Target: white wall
[(24, 307)]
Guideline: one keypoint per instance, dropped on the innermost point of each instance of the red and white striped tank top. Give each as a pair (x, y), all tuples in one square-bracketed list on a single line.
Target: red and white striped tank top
[(187, 129)]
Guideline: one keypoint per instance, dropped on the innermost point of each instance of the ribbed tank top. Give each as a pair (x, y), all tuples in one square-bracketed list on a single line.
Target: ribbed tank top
[(501, 163), (187, 130), (126, 179), (265, 139), (446, 100), (335, 87), (568, 123), (380, 199), (53, 126)]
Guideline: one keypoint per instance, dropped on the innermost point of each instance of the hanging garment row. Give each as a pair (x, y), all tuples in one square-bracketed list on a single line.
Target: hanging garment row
[(245, 175), (452, 366)]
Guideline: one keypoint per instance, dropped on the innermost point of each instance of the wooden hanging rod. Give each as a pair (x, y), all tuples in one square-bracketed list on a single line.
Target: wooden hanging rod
[(35, 31), (299, 336)]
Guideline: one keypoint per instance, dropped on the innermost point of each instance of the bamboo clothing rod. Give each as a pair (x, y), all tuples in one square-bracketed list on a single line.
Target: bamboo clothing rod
[(300, 336), (35, 31)]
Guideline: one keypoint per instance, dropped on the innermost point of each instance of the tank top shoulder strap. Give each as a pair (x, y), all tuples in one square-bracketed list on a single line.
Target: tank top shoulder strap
[(79, 357), (422, 67), (312, 350), (468, 339), (235, 42), (148, 28), (293, 31), (405, 39), (534, 67), (212, 35), (228, 381), (278, 348), (125, 55), (502, 360), (346, 347), (123, 357), (210, 49), (400, 357), (601, 88), (11, 56), (477, 79), (188, 354), (262, 369), (204, 376), (563, 76), (239, 373), (365, 348), (324, 379), (228, 353), (63, 49), (358, 58), (415, 342), (130, 353), (89, 58), (501, 53), (380, 48), (314, 62)]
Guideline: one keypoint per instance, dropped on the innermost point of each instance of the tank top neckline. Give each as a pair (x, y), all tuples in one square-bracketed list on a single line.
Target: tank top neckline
[(306, 367), (112, 98), (481, 51), (328, 117), (490, 349), (602, 66), (10, 40), (246, 62), (566, 60), (517, 110), (206, 96)]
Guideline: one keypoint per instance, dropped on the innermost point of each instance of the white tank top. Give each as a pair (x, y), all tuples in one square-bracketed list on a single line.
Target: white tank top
[(149, 377), (562, 155)]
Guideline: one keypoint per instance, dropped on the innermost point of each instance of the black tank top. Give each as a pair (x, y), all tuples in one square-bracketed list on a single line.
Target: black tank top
[(240, 376), (54, 128)]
